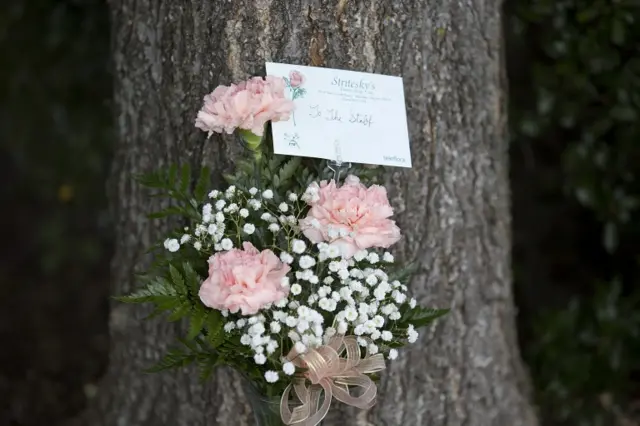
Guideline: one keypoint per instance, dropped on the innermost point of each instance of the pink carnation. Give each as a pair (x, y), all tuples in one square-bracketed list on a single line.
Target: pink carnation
[(351, 217), (244, 280), (247, 105)]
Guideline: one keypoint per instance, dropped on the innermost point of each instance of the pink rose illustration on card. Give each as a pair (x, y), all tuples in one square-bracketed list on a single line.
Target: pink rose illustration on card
[(294, 84)]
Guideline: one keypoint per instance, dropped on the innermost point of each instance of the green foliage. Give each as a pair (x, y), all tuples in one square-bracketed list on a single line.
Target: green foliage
[(285, 173), (579, 60), (173, 294), (175, 358), (186, 354), (176, 295), (583, 358), (404, 273), (419, 316), (586, 81), (175, 184)]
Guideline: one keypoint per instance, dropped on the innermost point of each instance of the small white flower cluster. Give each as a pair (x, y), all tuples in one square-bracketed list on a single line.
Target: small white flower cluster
[(328, 295), (234, 215)]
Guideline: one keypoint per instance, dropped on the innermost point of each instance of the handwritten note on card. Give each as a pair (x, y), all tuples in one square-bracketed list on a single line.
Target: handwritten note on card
[(358, 117)]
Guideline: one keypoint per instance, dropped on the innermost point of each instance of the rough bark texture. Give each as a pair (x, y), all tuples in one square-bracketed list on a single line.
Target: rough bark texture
[(454, 202)]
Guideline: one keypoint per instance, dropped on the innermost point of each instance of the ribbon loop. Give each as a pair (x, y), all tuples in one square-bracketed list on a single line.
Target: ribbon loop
[(334, 370)]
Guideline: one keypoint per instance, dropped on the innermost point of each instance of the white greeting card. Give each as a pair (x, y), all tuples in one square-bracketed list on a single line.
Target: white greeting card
[(343, 115)]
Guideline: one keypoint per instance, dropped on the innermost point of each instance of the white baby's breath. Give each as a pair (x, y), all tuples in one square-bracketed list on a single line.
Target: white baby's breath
[(271, 376), (226, 244), (274, 227), (300, 347), (249, 228), (275, 327), (298, 246), (172, 245), (360, 255), (306, 262), (288, 368)]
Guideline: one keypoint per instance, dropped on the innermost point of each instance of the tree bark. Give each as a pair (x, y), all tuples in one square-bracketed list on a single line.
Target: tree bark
[(453, 204)]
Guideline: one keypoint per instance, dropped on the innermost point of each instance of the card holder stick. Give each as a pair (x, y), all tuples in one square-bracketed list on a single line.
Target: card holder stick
[(337, 165)]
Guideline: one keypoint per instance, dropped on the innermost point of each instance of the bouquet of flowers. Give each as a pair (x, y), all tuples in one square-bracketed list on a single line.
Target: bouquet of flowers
[(285, 273)]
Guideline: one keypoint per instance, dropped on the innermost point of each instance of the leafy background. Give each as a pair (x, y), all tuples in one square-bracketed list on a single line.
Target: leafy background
[(574, 83)]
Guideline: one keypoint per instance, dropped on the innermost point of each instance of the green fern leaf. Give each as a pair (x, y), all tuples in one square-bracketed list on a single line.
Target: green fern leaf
[(178, 281), (203, 183), (185, 178), (175, 358), (196, 323)]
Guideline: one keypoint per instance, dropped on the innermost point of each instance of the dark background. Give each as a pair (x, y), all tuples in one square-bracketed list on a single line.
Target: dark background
[(574, 72)]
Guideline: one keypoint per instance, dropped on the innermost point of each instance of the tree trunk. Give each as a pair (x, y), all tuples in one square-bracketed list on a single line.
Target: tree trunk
[(453, 203)]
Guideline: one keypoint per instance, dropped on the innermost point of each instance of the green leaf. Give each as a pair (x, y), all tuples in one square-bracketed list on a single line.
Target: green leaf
[(193, 345), (206, 365), (617, 32), (154, 179), (180, 312), (275, 162), (175, 358), (192, 278), (140, 296), (420, 316), (405, 273), (214, 325), (587, 15), (624, 113), (169, 211), (158, 290), (178, 281), (195, 325), (203, 183), (230, 179), (289, 169), (172, 175), (185, 179)]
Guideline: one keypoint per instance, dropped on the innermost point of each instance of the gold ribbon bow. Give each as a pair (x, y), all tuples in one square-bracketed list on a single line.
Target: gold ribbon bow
[(332, 374)]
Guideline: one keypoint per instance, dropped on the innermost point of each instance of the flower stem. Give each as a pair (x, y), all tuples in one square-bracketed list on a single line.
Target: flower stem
[(253, 143)]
